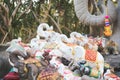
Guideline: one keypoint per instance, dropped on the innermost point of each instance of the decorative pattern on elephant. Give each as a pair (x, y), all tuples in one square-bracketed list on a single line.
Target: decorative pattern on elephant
[(90, 55), (50, 73)]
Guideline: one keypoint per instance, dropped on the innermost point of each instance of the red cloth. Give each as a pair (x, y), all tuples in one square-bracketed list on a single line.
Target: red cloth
[(12, 76)]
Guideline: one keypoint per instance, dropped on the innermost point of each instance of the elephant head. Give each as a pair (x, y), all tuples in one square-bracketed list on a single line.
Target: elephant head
[(27, 71), (15, 56), (83, 14), (44, 31)]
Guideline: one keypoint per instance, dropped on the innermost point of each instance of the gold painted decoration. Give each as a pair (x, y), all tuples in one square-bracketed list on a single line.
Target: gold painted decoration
[(31, 61)]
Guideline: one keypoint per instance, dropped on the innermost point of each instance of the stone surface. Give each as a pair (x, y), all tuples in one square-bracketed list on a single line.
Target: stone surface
[(114, 61)]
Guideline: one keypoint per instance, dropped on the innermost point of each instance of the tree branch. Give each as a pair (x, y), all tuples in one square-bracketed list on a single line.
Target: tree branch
[(4, 38), (4, 16), (14, 12), (55, 23), (25, 10), (1, 30), (37, 19), (67, 29), (4, 8), (4, 19)]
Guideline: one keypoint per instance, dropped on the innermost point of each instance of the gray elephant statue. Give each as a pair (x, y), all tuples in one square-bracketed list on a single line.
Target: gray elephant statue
[(4, 63), (82, 10)]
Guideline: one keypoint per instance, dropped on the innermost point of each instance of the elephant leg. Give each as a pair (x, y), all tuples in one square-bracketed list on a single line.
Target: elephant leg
[(22, 70), (71, 64)]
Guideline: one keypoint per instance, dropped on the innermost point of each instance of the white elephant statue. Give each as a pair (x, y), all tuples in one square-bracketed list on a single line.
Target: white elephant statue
[(44, 30), (76, 52), (62, 69)]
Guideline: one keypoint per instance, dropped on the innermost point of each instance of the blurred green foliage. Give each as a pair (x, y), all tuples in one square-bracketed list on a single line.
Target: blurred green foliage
[(24, 23)]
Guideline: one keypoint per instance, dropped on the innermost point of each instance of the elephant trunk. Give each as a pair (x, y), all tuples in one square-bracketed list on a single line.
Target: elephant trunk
[(15, 57), (81, 9)]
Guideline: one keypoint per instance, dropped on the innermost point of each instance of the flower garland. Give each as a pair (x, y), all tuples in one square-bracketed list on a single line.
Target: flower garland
[(107, 27)]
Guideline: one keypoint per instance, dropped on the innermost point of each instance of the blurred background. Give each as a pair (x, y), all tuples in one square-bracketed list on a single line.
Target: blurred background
[(20, 18)]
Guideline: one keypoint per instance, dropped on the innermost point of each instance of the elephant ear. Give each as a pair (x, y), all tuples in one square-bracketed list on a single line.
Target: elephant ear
[(81, 10)]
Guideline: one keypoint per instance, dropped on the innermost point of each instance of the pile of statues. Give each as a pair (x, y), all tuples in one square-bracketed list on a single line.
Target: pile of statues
[(54, 56)]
